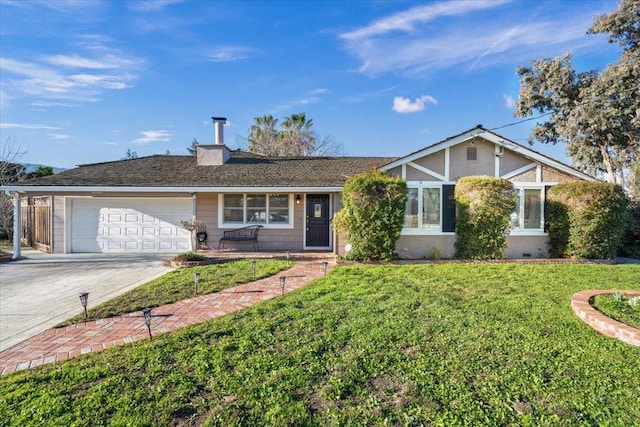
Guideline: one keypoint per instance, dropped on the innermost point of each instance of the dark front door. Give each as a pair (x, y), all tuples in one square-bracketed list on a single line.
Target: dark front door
[(318, 220)]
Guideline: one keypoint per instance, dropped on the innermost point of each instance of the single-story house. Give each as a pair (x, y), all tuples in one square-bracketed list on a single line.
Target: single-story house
[(139, 205)]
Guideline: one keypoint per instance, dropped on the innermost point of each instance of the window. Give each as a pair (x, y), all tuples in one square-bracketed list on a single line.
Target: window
[(529, 213), (267, 209), (423, 208), (430, 208), (472, 153)]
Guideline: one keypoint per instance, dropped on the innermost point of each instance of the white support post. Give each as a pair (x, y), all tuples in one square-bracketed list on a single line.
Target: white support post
[(17, 214)]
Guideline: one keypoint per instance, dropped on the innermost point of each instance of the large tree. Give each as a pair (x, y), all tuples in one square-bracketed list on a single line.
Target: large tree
[(596, 113), (295, 137), (11, 171)]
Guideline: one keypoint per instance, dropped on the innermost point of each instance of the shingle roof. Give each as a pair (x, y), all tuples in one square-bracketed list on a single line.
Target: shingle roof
[(241, 170)]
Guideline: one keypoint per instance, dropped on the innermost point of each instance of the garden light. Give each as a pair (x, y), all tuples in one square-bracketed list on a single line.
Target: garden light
[(324, 267), (282, 280), (84, 297), (253, 267), (147, 320), (196, 279)]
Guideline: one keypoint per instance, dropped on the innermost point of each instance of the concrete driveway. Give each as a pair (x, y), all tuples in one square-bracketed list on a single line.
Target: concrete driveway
[(42, 290)]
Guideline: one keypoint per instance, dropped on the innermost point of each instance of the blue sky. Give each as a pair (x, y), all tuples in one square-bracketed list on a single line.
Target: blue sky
[(83, 81)]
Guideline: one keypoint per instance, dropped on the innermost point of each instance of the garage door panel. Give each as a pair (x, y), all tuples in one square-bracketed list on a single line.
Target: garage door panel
[(130, 225)]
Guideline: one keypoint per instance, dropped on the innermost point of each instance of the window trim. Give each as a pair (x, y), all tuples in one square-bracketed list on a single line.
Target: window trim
[(520, 230), (419, 230), (245, 223)]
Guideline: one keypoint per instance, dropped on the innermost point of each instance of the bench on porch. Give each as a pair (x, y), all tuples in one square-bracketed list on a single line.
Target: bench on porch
[(244, 234)]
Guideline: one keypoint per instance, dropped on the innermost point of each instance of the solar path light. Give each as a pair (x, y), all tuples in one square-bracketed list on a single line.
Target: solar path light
[(253, 267), (147, 319), (324, 267), (196, 280), (282, 280), (84, 297)]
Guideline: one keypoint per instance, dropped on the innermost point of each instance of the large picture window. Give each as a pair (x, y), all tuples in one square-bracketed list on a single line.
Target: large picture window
[(423, 208), (267, 209), (529, 213)]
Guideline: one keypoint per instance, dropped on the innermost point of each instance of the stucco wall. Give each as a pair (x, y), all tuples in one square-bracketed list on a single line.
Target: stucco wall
[(418, 247), (483, 165), (527, 247)]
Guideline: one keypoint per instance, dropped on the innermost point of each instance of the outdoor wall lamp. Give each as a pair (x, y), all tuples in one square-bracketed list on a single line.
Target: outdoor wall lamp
[(253, 267), (147, 320), (196, 280), (282, 280), (84, 297), (297, 199), (324, 267)]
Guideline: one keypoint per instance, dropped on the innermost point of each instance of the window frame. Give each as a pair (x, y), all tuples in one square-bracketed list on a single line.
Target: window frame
[(245, 209), (520, 230), (420, 229)]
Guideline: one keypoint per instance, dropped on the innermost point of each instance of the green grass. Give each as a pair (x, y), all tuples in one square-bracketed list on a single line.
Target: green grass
[(619, 310), (447, 344), (178, 285)]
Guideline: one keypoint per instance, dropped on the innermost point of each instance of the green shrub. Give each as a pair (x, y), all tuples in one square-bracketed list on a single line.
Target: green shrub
[(630, 246), (483, 208), (586, 219), (189, 256), (372, 215)]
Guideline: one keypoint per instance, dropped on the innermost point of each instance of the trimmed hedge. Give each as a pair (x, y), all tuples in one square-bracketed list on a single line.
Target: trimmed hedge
[(585, 219), (483, 209), (372, 215)]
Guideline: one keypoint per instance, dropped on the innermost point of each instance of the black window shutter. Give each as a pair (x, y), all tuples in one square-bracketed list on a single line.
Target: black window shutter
[(448, 208), (546, 189)]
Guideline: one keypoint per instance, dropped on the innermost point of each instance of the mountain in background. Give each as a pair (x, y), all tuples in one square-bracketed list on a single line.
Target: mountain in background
[(31, 167)]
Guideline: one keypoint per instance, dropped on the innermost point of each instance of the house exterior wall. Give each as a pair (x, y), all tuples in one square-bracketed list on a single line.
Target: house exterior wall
[(511, 161), (484, 164), (270, 239), (553, 175), (418, 247), (58, 224), (418, 242), (434, 162)]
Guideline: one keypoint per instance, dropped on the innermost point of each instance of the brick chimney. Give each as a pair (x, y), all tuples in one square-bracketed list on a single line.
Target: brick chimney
[(215, 154)]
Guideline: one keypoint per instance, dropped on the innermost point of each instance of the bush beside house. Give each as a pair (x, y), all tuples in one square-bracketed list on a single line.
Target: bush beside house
[(372, 216), (586, 219), (483, 206)]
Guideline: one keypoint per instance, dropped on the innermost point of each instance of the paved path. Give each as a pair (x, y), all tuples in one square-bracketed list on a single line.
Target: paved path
[(55, 345), (41, 290)]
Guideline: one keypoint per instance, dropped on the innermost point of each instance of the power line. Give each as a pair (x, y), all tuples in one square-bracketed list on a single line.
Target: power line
[(521, 121)]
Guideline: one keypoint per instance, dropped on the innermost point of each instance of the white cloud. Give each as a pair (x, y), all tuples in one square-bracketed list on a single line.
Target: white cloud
[(425, 39), (406, 21), (404, 105), (27, 126), (151, 136), (509, 102), (59, 137), (69, 79), (228, 53), (151, 5)]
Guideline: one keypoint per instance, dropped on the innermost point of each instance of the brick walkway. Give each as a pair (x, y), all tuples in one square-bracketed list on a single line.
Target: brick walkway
[(601, 323), (55, 345)]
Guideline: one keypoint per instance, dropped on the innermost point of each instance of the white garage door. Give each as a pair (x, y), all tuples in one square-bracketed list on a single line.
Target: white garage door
[(130, 225)]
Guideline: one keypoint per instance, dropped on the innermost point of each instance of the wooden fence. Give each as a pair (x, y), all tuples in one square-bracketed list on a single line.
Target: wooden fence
[(35, 229)]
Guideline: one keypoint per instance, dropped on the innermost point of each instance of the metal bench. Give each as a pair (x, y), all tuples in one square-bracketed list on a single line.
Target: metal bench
[(244, 234)]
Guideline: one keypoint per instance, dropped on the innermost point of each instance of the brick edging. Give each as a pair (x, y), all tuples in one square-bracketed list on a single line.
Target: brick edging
[(581, 305)]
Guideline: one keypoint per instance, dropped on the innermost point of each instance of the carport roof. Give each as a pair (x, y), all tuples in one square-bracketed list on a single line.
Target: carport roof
[(243, 169)]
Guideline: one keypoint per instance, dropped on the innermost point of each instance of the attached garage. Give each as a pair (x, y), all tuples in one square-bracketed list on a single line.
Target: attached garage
[(133, 225)]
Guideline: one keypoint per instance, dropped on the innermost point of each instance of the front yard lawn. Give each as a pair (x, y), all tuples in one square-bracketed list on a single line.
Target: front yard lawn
[(179, 284), (448, 344)]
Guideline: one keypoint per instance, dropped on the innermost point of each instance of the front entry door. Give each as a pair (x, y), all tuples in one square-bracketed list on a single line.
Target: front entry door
[(318, 220)]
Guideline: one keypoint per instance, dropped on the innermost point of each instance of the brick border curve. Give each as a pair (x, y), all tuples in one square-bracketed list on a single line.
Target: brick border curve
[(581, 305)]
